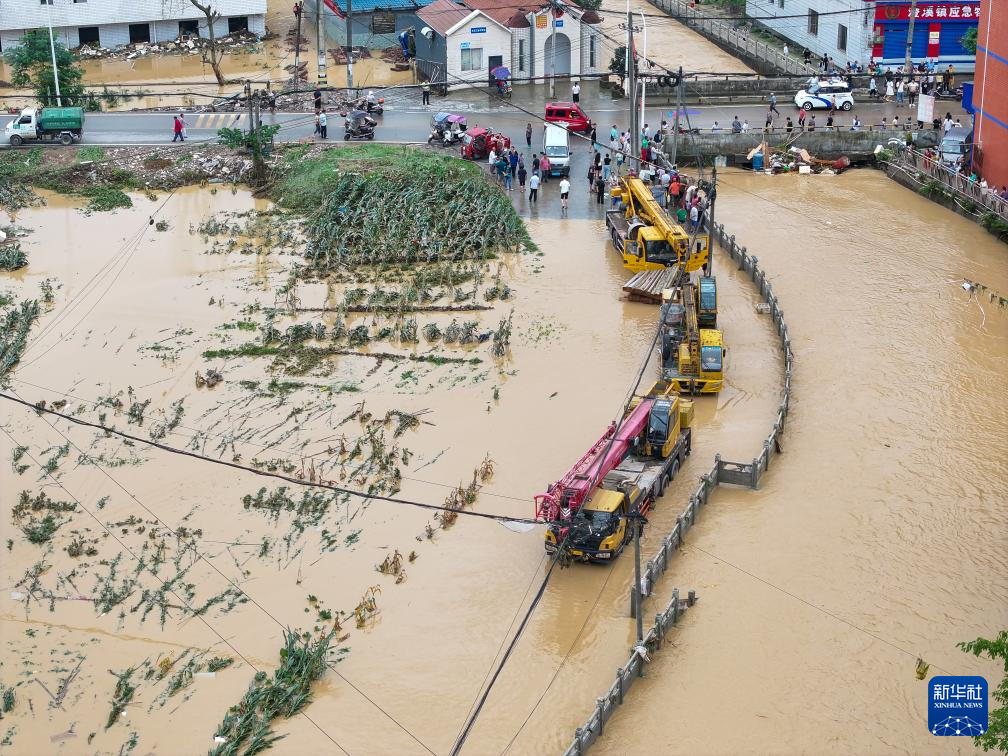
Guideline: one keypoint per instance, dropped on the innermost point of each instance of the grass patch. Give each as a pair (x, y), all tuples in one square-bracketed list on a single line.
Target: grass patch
[(92, 154), (12, 257), (105, 198)]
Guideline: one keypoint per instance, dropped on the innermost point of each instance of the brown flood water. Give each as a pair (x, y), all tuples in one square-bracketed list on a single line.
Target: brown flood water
[(882, 509), (669, 43)]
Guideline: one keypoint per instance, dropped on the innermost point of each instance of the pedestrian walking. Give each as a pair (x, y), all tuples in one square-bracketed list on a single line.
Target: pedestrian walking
[(789, 126), (591, 176), (872, 88), (318, 123), (801, 118), (564, 194), (576, 92), (528, 135), (769, 121), (613, 134), (425, 91), (323, 123), (185, 126), (594, 137), (534, 188), (178, 130), (773, 103), (890, 90), (317, 99)]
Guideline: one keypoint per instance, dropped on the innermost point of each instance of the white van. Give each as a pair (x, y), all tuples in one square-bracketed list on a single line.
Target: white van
[(556, 145)]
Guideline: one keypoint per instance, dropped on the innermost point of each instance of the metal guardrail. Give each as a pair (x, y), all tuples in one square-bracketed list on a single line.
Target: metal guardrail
[(722, 472), (968, 194), (699, 20)]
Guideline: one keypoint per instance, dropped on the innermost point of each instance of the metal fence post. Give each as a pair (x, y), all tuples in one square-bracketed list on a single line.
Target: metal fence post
[(600, 708), (755, 473)]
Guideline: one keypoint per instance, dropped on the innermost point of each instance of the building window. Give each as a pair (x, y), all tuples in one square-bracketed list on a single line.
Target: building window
[(139, 33), (80, 1), (239, 24), (813, 22), (841, 38), (89, 36), (521, 54), (188, 28), (781, 3), (591, 51), (472, 59), (45, 2)]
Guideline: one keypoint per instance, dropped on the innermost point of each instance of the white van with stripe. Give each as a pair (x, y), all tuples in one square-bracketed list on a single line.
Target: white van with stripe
[(824, 96)]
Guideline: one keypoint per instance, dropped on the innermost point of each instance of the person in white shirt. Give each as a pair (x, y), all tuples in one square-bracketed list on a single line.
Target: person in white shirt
[(564, 194), (576, 92), (533, 188)]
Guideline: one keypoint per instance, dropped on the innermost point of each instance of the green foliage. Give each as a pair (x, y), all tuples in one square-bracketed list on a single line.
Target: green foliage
[(14, 328), (31, 66), (40, 531), (105, 198), (995, 225), (996, 737), (618, 63), (884, 156), (969, 40), (246, 726), (255, 141), (12, 257), (92, 154), (122, 695)]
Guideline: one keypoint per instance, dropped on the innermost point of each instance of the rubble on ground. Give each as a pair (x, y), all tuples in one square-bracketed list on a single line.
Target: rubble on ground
[(183, 45)]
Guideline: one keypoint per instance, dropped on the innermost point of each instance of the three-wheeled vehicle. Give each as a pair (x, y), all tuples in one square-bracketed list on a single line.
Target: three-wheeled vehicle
[(477, 143), (447, 128), (358, 125), (502, 79)]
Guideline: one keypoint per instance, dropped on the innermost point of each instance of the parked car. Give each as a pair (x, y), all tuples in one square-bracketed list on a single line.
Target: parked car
[(825, 95), (556, 145), (569, 115)]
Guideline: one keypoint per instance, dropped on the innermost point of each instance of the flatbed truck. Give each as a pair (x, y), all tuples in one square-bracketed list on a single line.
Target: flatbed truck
[(624, 472)]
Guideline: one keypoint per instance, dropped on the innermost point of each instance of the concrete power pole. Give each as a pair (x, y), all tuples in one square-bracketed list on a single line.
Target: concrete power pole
[(632, 90), (349, 41), (52, 49), (552, 53), (910, 32), (320, 43), (298, 7)]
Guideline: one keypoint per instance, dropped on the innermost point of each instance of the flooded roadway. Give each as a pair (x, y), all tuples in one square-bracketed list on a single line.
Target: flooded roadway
[(883, 510)]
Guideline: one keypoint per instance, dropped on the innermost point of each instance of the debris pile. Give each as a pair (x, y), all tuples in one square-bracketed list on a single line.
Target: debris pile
[(183, 45), (791, 159)]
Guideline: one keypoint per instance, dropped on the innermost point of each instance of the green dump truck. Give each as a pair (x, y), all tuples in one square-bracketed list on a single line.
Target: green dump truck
[(46, 124)]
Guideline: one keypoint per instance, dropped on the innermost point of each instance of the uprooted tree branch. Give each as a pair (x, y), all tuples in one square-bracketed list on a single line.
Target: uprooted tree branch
[(212, 16)]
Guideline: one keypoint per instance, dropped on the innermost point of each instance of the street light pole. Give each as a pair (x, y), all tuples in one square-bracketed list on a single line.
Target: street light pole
[(320, 43), (349, 41), (52, 49)]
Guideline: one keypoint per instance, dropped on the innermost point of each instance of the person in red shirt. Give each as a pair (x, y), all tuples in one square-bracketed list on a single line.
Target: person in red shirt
[(178, 130)]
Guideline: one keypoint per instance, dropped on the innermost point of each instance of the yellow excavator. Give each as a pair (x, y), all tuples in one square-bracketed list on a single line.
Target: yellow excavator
[(645, 235), (692, 346)]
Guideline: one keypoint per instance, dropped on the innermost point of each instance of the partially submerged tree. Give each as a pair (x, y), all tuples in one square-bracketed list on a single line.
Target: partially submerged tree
[(996, 737), (31, 66), (212, 16)]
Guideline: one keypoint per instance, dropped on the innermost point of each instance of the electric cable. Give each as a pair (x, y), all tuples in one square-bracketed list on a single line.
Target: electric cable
[(265, 473)]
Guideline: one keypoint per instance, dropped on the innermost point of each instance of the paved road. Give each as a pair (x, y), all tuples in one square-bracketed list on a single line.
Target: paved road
[(412, 124)]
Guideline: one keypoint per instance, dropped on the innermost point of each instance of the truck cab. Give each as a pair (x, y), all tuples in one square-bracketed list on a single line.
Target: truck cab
[(600, 526), (707, 302)]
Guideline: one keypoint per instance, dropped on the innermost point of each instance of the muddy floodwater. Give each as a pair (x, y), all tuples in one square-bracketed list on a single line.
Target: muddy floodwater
[(669, 43), (878, 535)]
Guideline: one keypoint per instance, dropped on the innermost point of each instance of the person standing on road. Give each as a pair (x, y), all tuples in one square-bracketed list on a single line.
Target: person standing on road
[(528, 135), (544, 167), (323, 123), (425, 90), (318, 123), (785, 50), (600, 188), (513, 160), (522, 174), (591, 176), (769, 121), (890, 89), (606, 167), (736, 126), (576, 93), (773, 103), (185, 126), (801, 118), (873, 88), (564, 194), (811, 126), (900, 92), (912, 88), (178, 130), (534, 188), (789, 126), (317, 98)]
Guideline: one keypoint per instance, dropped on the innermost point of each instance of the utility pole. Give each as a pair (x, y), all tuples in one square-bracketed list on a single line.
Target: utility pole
[(52, 49), (910, 32), (320, 43), (643, 95), (632, 90), (675, 124), (552, 52), (298, 7), (710, 222), (638, 609), (349, 42)]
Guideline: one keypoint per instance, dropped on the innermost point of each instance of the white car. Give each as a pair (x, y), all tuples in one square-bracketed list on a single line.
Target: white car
[(828, 92)]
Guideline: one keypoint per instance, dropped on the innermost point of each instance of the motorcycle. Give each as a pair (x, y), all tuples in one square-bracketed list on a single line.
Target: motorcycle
[(370, 105), (358, 125)]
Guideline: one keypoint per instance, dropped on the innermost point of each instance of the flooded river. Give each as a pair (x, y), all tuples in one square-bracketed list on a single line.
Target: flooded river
[(877, 535)]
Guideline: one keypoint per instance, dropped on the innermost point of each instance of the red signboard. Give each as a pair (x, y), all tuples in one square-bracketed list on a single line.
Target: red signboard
[(961, 11)]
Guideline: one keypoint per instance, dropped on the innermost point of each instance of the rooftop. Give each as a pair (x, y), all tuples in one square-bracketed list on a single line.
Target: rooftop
[(442, 15)]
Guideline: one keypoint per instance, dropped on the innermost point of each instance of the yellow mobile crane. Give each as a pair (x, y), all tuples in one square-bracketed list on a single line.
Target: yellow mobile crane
[(692, 346), (645, 235)]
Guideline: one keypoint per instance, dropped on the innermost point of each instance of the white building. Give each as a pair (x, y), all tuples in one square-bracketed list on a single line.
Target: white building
[(841, 29), (112, 23), (467, 39)]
